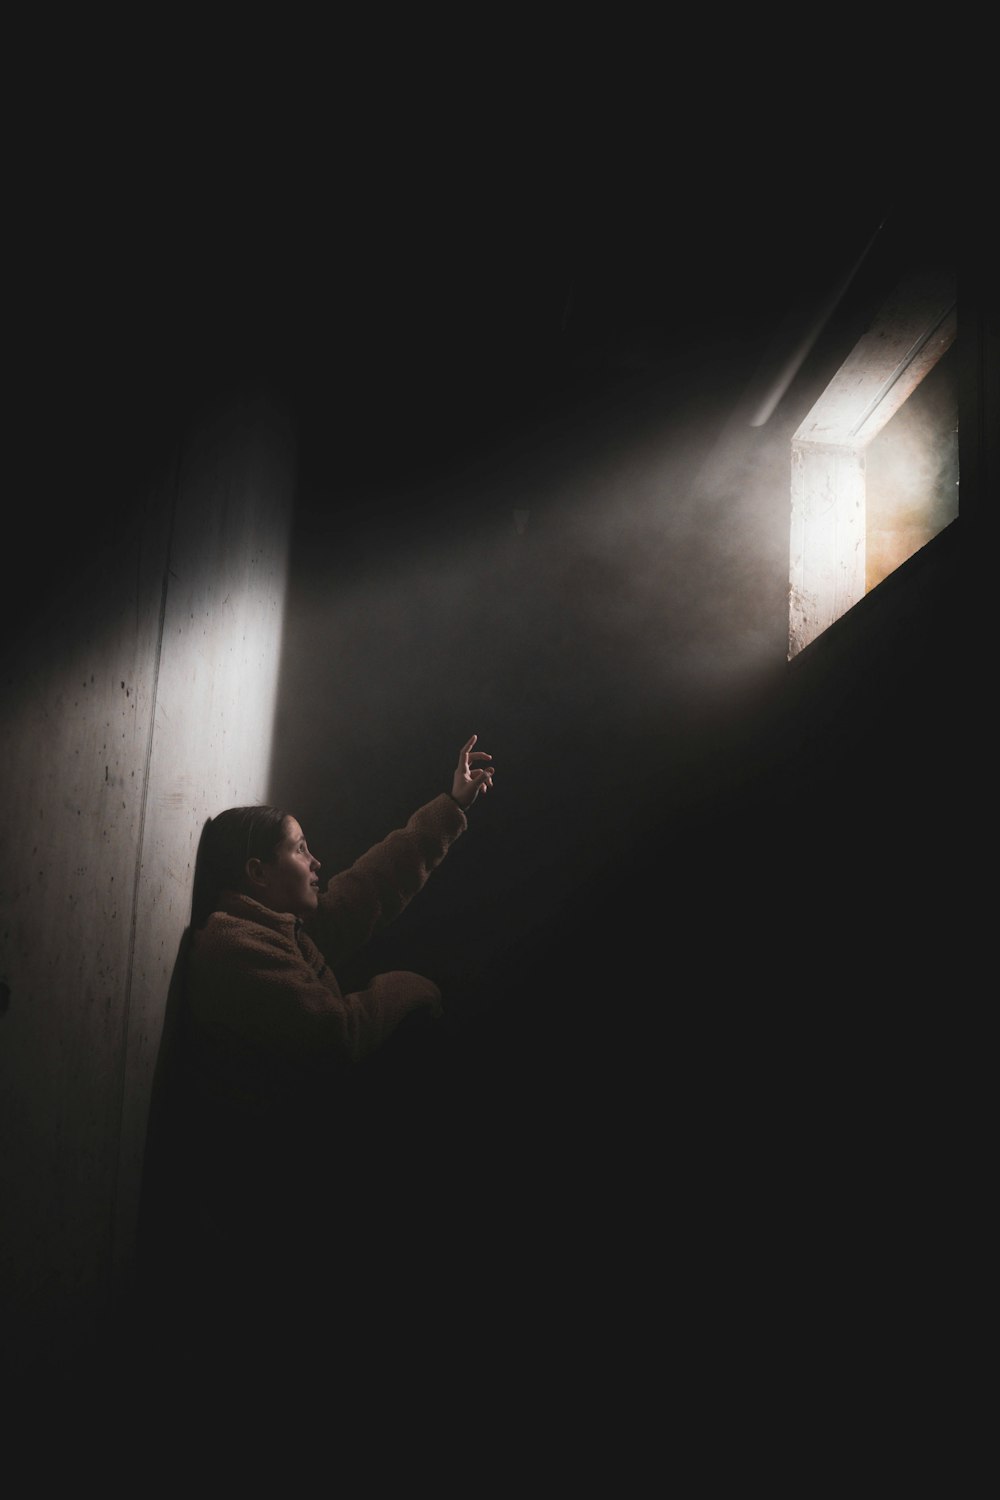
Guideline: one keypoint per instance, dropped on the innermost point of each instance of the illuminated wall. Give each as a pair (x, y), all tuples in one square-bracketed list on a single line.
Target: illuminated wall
[(142, 705)]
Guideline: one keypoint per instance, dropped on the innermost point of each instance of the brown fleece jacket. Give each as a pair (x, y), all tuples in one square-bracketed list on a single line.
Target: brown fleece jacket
[(263, 1003)]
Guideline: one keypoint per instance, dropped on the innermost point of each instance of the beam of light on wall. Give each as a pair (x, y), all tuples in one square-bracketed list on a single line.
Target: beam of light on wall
[(218, 655), (138, 699)]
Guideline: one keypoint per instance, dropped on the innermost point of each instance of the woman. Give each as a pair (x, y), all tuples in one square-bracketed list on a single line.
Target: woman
[(268, 1155), (265, 1010)]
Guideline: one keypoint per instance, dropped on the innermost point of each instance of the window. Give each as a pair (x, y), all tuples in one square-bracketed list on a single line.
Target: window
[(875, 461)]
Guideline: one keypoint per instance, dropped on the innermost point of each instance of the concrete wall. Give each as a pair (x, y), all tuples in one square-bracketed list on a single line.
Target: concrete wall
[(137, 703)]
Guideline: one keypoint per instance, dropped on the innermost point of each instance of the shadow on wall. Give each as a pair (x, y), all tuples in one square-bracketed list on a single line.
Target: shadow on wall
[(166, 1210), (170, 1212)]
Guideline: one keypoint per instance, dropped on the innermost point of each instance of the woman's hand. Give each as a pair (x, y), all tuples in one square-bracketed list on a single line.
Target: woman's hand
[(467, 782)]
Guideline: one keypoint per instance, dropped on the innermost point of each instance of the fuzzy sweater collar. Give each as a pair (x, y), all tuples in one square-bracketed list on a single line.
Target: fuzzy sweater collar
[(235, 904)]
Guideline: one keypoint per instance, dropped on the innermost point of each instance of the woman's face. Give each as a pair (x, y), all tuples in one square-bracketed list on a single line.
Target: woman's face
[(289, 882)]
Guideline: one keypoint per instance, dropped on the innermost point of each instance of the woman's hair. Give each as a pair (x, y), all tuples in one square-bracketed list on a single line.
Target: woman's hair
[(227, 842)]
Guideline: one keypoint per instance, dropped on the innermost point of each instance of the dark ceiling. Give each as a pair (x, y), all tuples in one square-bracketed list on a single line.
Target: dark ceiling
[(423, 264)]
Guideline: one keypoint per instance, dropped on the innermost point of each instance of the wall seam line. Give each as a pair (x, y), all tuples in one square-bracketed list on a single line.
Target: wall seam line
[(136, 884)]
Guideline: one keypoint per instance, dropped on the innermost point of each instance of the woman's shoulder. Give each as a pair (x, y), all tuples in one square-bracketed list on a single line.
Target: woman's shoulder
[(242, 926)]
